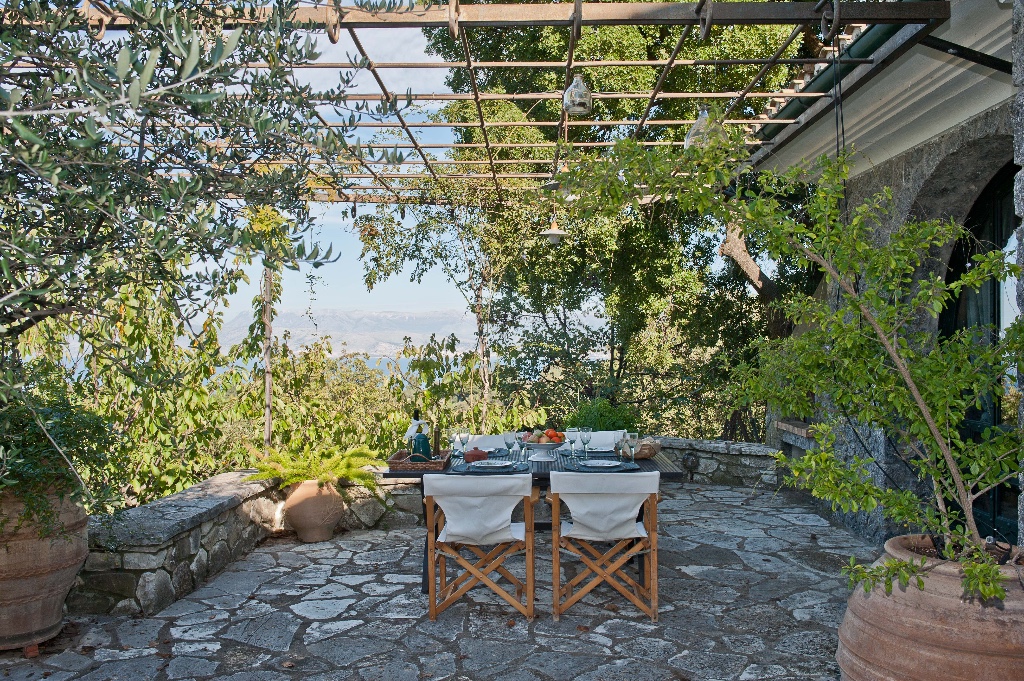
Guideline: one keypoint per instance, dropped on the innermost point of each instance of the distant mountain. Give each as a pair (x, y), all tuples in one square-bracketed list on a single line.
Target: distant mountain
[(377, 333)]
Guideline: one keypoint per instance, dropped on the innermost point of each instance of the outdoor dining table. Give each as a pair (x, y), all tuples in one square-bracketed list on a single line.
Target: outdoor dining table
[(541, 472)]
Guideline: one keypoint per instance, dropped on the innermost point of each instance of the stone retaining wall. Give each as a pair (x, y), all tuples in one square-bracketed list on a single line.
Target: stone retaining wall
[(145, 558), (723, 462)]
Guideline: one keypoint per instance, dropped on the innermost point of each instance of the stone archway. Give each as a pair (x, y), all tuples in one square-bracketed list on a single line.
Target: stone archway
[(959, 178), (943, 177)]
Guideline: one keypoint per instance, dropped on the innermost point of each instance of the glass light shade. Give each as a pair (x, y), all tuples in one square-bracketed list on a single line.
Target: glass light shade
[(577, 99), (698, 133), (554, 233)]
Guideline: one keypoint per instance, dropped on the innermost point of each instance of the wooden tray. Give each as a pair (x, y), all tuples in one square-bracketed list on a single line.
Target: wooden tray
[(399, 461)]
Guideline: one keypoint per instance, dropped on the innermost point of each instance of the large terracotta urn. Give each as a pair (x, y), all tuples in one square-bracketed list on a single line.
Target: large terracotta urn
[(314, 510), (925, 635), (36, 573)]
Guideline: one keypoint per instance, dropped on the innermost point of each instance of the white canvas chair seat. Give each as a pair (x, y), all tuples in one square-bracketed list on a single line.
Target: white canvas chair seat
[(603, 439), (604, 508), (465, 513), (567, 531), (517, 530), (486, 441)]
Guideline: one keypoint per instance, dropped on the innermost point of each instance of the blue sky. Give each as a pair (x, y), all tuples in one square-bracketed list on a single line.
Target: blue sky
[(341, 284)]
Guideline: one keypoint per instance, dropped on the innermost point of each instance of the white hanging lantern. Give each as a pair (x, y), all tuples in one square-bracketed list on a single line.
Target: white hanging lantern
[(698, 133), (554, 233), (577, 100)]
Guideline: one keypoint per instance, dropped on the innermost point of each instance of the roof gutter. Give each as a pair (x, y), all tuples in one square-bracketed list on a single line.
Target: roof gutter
[(862, 48)]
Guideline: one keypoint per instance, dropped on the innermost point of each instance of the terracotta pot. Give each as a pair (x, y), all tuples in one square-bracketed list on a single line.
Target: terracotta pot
[(36, 573), (313, 510), (918, 635)]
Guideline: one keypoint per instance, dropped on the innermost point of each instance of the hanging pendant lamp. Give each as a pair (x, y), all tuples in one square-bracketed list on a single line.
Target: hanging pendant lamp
[(698, 133), (577, 100), (554, 233)]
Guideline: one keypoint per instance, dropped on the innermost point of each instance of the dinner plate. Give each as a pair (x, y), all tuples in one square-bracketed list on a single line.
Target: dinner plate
[(487, 463), (600, 463)]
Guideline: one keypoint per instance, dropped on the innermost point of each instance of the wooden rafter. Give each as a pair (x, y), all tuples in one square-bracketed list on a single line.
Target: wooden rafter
[(390, 98), (598, 14), (479, 107)]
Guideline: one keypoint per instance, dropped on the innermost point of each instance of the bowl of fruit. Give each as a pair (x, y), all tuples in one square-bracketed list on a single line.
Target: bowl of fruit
[(544, 440)]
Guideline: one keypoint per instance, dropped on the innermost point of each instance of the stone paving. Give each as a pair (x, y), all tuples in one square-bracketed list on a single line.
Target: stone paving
[(749, 588)]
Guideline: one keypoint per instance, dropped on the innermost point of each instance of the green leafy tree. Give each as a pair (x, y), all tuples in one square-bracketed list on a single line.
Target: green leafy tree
[(145, 152), (127, 162), (317, 398), (127, 364), (868, 355), (445, 384)]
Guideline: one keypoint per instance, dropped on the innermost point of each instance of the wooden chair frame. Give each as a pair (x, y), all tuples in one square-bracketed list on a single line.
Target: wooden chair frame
[(607, 566), (443, 593)]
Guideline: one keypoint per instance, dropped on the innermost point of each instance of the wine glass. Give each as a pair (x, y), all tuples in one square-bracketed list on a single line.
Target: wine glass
[(586, 433), (510, 440), (453, 438), (464, 438), (520, 437), (632, 441), (572, 434)]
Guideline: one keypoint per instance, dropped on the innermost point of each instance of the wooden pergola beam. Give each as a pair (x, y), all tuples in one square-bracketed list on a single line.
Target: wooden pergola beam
[(535, 96), (654, 63), (596, 14)]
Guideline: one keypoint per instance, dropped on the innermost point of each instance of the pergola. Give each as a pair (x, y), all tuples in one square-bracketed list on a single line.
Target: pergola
[(366, 182)]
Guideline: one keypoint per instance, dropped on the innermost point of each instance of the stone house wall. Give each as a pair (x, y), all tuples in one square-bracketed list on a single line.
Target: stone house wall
[(1017, 45), (941, 178)]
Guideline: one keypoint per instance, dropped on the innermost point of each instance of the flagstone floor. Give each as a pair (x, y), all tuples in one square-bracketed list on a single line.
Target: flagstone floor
[(749, 586)]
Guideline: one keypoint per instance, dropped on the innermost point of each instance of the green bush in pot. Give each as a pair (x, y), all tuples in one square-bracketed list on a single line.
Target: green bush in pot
[(324, 464), (43, 524), (867, 354), (869, 350)]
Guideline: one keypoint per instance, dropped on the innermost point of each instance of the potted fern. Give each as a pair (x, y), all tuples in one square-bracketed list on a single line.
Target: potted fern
[(311, 475)]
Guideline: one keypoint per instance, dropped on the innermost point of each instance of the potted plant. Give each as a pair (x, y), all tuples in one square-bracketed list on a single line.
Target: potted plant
[(938, 604), (43, 524), (311, 475)]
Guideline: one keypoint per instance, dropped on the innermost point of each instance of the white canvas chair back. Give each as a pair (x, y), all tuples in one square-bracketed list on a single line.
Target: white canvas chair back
[(477, 509), (486, 442), (604, 506), (603, 439)]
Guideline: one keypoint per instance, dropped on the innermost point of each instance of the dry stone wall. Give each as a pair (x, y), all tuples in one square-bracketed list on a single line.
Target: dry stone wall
[(142, 560), (723, 462)]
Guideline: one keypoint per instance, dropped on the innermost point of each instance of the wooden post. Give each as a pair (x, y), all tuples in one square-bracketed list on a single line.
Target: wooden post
[(268, 379)]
